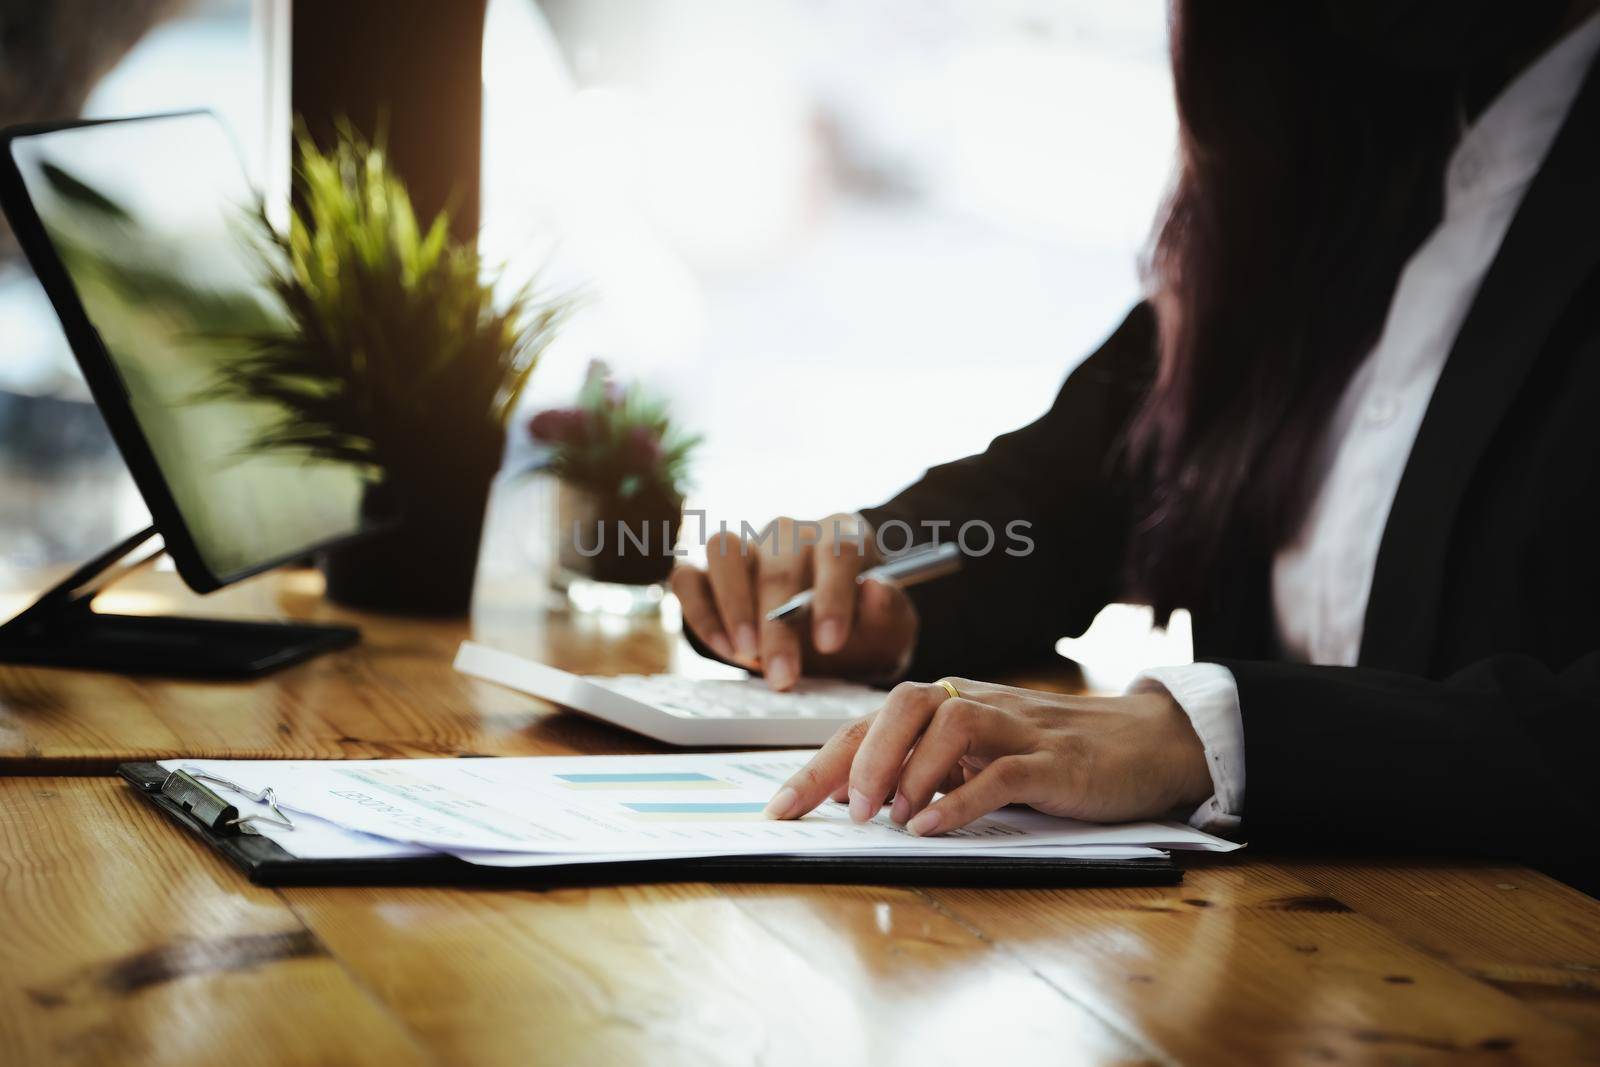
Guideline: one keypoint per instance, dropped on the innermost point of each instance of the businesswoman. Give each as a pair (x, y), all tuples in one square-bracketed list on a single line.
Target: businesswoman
[(1355, 428)]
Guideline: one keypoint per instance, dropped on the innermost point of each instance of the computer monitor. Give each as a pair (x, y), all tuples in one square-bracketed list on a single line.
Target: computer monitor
[(145, 235)]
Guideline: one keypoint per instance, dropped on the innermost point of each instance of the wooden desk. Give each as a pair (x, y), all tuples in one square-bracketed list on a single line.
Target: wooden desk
[(127, 941), (393, 695)]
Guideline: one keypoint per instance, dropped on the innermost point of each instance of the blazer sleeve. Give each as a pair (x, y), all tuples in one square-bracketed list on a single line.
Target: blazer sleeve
[(1498, 759), (1058, 508)]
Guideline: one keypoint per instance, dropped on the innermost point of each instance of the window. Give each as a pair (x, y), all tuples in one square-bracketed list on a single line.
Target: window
[(853, 238)]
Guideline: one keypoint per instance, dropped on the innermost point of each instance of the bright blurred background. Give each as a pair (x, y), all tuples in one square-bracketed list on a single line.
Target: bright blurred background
[(851, 238)]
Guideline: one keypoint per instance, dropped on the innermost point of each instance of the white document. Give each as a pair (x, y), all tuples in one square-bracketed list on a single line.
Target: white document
[(312, 837), (318, 839), (583, 808)]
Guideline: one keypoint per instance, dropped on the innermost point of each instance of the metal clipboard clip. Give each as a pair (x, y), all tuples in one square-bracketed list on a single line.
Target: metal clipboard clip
[(187, 790)]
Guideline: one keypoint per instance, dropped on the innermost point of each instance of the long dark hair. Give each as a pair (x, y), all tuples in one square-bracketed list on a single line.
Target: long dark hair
[(1310, 168)]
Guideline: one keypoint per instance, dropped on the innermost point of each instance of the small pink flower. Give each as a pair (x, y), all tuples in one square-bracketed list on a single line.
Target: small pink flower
[(560, 426)]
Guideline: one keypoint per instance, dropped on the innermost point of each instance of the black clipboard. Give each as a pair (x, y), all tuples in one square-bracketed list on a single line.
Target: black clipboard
[(265, 863)]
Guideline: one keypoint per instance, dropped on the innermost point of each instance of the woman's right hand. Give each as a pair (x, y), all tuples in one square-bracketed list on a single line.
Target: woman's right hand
[(853, 629)]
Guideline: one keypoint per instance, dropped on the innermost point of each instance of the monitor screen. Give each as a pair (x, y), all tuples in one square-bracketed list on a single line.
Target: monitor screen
[(154, 223)]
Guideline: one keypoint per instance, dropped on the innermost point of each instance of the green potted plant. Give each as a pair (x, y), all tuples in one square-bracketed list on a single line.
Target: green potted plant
[(621, 468), (394, 355)]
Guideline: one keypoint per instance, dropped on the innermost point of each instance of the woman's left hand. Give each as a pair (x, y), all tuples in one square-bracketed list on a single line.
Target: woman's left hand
[(1103, 759)]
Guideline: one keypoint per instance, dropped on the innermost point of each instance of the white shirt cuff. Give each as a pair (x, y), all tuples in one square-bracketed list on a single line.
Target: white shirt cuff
[(1209, 695)]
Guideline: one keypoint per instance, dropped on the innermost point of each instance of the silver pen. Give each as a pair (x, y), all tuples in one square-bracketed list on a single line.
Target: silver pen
[(913, 568)]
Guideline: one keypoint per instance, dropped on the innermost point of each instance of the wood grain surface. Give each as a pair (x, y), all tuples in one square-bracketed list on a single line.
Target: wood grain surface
[(129, 942), (393, 695), (126, 941)]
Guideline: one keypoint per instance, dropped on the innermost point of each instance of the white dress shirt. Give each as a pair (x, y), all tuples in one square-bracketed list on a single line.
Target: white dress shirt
[(1321, 578)]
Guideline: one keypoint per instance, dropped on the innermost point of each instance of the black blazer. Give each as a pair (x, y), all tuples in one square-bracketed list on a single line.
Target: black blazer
[(1472, 722)]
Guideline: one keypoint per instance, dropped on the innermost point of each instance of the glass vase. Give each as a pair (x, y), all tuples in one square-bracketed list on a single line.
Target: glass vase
[(613, 556)]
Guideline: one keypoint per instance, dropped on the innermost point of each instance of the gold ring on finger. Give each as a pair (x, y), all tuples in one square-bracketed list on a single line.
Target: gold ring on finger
[(949, 687)]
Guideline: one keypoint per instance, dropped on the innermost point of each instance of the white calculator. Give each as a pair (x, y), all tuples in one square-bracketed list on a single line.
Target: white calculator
[(684, 711)]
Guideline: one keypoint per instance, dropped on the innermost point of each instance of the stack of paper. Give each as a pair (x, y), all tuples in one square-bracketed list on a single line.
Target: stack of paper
[(524, 812)]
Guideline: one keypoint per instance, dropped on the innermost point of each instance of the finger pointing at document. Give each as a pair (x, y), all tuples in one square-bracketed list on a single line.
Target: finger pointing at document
[(984, 746)]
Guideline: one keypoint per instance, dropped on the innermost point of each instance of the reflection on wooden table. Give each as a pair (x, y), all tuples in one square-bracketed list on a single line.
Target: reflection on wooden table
[(128, 941)]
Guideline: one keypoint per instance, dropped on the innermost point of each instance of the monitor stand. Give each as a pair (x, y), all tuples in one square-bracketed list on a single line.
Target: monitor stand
[(62, 629)]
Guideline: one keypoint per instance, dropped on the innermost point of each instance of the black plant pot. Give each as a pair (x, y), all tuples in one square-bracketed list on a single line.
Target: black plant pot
[(426, 562), (626, 542)]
